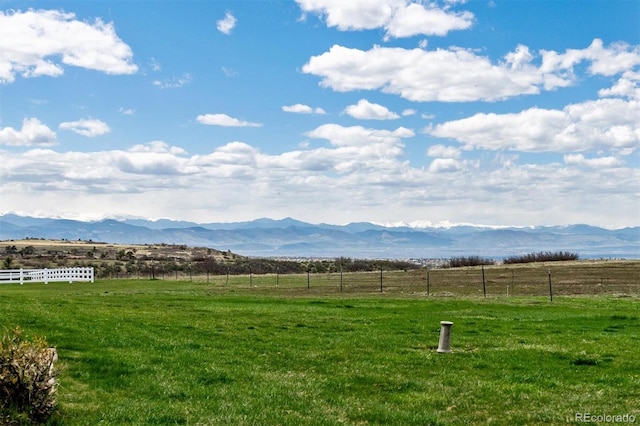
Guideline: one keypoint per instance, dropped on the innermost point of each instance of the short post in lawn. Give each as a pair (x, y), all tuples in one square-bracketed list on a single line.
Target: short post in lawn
[(550, 289), (444, 346)]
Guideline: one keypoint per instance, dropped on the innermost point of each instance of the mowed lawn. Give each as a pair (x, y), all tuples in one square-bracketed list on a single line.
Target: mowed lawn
[(173, 352)]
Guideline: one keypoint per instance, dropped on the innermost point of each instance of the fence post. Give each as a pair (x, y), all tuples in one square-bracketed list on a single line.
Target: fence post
[(341, 278), (21, 276), (428, 282), (484, 285), (550, 289), (380, 280)]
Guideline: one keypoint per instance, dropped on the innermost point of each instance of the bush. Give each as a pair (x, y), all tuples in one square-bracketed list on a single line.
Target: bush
[(457, 262), (543, 256), (27, 379)]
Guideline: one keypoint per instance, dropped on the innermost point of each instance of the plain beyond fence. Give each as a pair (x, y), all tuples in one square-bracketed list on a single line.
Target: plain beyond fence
[(8, 276), (570, 278)]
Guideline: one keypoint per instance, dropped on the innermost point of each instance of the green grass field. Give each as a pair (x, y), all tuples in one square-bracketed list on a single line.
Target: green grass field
[(198, 353)]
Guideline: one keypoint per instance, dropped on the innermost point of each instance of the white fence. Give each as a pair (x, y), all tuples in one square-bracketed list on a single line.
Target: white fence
[(46, 275)]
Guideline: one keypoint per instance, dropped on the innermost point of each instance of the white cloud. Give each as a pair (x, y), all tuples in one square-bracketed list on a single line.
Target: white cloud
[(227, 24), (127, 111), (601, 124), (444, 165), (359, 174), (409, 111), (174, 83), (229, 72), (461, 75), (157, 147), (400, 18), (443, 151), (626, 87), (155, 65), (359, 136), (303, 109), (33, 132), (38, 42), (607, 61), (365, 110), (89, 127), (601, 162), (416, 19), (225, 121)]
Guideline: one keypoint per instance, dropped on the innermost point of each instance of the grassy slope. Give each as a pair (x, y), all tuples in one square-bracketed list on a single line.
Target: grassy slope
[(154, 352)]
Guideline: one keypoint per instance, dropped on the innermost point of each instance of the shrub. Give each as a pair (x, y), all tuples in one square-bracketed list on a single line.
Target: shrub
[(543, 256), (457, 262), (27, 378)]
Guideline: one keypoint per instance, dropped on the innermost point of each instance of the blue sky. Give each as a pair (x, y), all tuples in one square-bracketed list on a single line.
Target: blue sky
[(390, 111)]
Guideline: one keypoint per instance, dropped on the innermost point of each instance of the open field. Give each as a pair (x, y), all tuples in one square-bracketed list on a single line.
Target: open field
[(183, 352), (567, 278)]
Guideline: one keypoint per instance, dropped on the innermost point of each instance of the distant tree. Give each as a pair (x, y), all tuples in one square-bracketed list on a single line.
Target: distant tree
[(9, 250), (27, 251), (457, 262), (8, 261), (543, 256)]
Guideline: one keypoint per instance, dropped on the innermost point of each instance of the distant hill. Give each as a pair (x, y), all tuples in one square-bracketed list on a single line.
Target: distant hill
[(292, 238)]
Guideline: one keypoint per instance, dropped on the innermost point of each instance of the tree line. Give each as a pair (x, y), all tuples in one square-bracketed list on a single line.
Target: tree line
[(543, 256)]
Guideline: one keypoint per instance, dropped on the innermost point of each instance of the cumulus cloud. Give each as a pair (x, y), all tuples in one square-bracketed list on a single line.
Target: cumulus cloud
[(227, 24), (444, 165), (461, 75), (625, 87), (601, 162), (33, 132), (303, 109), (608, 61), (359, 136), (360, 167), (365, 110), (224, 120), (89, 127), (399, 18), (419, 19), (39, 42), (443, 151), (600, 124)]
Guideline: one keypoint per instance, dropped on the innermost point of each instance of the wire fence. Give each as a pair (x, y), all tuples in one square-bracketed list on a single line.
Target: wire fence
[(544, 279)]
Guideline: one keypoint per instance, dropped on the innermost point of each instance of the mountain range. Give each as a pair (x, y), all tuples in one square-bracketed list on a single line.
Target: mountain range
[(292, 238)]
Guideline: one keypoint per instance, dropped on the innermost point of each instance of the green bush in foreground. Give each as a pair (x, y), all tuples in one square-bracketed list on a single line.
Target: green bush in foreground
[(27, 379)]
